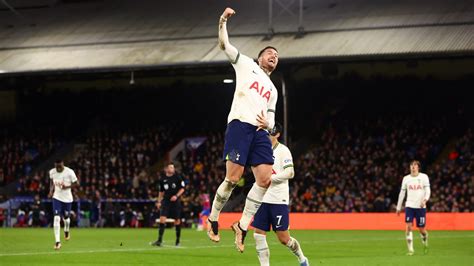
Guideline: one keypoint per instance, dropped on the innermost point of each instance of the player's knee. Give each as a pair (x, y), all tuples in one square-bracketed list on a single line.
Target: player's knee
[(284, 240), (234, 171), (264, 182), (232, 179), (57, 219)]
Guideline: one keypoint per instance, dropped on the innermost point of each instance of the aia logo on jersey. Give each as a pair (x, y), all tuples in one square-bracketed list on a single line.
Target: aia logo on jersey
[(415, 187), (260, 90)]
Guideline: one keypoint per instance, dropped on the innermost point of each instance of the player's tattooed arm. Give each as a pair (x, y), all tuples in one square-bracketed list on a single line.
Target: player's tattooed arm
[(224, 44)]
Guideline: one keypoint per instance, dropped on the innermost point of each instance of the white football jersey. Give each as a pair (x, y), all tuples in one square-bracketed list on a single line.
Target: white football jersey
[(254, 92), (279, 193), (66, 177), (415, 187)]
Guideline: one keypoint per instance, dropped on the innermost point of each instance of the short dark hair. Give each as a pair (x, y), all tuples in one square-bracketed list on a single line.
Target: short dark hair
[(278, 128), (263, 50), (58, 161)]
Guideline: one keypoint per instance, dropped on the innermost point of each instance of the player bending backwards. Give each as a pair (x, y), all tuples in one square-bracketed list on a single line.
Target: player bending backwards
[(246, 138), (274, 209), (417, 185), (62, 179)]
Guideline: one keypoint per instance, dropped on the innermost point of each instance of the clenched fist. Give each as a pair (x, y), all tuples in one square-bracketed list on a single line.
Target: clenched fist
[(228, 12)]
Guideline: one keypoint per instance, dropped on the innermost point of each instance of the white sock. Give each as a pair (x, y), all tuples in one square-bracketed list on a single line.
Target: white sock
[(57, 227), (295, 247), (222, 196), (263, 252), (252, 203), (424, 237), (67, 222), (410, 241)]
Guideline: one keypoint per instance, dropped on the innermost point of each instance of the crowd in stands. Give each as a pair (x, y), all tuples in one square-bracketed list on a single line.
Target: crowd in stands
[(111, 165), (356, 167), (23, 149), (452, 178), (359, 164)]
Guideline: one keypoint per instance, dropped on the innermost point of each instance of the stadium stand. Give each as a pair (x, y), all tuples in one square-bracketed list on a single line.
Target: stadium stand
[(354, 126)]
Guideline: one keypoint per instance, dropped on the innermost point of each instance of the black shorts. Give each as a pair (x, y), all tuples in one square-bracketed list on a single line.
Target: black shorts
[(171, 209)]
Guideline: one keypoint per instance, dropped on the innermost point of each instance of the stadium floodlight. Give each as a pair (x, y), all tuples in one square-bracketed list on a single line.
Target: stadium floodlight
[(228, 81), (132, 78)]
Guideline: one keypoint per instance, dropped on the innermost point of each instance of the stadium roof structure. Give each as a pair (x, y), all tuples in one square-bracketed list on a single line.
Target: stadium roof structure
[(47, 35)]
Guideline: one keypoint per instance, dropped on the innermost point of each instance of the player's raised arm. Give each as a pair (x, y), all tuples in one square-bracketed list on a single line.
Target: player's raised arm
[(231, 52)]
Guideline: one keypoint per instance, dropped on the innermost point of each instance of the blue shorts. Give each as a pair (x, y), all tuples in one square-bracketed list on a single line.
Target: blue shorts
[(419, 214), (245, 145), (205, 212), (61, 208), (275, 215)]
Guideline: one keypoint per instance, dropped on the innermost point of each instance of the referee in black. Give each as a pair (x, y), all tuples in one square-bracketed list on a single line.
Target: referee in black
[(171, 189)]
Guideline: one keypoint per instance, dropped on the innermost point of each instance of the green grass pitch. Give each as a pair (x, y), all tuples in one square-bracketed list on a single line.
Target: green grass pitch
[(103, 246)]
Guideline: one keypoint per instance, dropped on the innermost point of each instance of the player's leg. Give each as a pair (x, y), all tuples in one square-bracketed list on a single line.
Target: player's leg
[(261, 245), (164, 212), (236, 147), (409, 238), (254, 198), (252, 203), (67, 220), (261, 158), (280, 220), (57, 223), (293, 245), (421, 224), (234, 172), (203, 215), (262, 223), (409, 215), (177, 225), (177, 221), (161, 231)]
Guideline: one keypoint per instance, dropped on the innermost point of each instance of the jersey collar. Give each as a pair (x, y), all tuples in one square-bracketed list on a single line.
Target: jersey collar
[(276, 145)]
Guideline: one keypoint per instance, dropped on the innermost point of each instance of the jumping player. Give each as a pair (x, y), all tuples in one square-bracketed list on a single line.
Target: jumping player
[(246, 139)]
